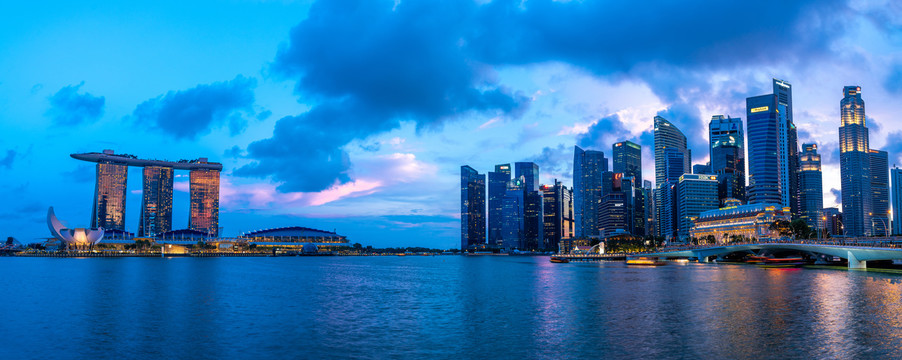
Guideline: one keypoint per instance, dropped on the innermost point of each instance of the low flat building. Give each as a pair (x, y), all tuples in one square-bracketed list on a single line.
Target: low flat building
[(749, 221)]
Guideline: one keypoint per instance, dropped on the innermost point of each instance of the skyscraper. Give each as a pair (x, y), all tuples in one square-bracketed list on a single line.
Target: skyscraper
[(667, 136), (789, 151), (695, 194), (530, 172), (811, 187), (628, 160), (109, 194), (558, 215), (204, 192), (472, 207), (879, 192), (666, 200), (896, 175), (773, 149), (588, 165), (497, 188), (648, 194), (513, 231), (156, 201), (854, 164), (764, 128), (727, 162), (725, 129)]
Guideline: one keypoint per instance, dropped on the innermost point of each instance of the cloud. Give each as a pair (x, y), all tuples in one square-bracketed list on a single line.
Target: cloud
[(187, 114), (555, 162), (602, 134), (68, 107), (81, 174), (7, 161), (837, 194)]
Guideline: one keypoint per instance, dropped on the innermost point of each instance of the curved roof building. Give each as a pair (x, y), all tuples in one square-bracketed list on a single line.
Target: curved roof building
[(295, 236), (78, 238)]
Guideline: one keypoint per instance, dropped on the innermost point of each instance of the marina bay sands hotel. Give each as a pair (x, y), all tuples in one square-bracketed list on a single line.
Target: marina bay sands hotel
[(156, 205)]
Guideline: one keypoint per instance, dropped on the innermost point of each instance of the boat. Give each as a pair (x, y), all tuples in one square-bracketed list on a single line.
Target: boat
[(559, 260), (767, 262), (645, 262)]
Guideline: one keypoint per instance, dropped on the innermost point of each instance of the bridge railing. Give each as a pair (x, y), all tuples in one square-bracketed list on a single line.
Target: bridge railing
[(894, 242)]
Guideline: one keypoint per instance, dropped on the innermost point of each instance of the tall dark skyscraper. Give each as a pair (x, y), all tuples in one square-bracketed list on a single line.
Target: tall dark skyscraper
[(764, 128), (725, 129), (896, 175), (728, 163), (558, 215), (109, 194), (472, 208), (588, 165), (498, 180), (156, 201), (667, 137), (880, 192), (773, 149), (695, 194), (530, 172), (513, 231), (628, 160), (789, 151), (811, 186), (855, 164), (532, 221)]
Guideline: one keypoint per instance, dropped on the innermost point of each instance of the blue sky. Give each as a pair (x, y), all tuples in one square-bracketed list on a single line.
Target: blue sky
[(355, 116)]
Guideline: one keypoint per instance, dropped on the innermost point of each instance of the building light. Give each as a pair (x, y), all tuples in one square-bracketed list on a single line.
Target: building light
[(760, 109)]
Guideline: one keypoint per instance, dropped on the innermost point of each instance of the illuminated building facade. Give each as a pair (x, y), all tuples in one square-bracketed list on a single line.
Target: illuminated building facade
[(880, 221), (296, 237), (749, 221), (472, 208), (695, 193), (666, 200), (532, 221), (109, 195), (156, 201), (204, 192), (833, 218), (896, 175), (513, 231), (498, 180), (588, 165), (558, 215), (773, 148), (728, 163), (668, 137), (811, 188), (725, 130), (628, 160), (855, 164)]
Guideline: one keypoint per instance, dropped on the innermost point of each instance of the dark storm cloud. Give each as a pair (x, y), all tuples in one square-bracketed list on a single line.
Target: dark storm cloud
[(837, 194), (68, 107), (555, 160), (193, 112), (430, 61), (7, 161), (603, 134)]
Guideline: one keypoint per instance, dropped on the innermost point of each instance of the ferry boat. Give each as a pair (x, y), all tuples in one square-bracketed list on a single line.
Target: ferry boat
[(645, 262), (559, 260)]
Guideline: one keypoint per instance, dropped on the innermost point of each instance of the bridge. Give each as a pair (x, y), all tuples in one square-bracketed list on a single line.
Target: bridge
[(856, 252)]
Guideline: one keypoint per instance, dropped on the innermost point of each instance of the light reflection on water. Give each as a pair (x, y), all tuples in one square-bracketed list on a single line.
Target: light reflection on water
[(440, 307)]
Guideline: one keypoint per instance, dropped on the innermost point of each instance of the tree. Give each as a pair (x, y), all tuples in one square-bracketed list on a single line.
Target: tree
[(781, 227), (800, 229)]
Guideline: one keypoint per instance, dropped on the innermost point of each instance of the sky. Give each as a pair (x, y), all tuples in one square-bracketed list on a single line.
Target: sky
[(355, 116)]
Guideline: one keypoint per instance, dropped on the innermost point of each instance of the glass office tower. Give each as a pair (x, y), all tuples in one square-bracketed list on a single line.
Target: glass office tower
[(727, 162), (723, 129), (855, 164), (557, 214), (109, 195), (628, 160), (667, 136), (763, 131), (204, 193), (472, 208), (156, 201), (498, 180), (588, 165), (695, 194), (896, 175), (513, 231), (880, 192), (811, 186)]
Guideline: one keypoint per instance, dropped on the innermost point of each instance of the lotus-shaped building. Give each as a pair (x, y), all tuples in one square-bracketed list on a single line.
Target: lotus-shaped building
[(78, 238)]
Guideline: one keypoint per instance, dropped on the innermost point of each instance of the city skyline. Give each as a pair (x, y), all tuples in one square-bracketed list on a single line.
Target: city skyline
[(383, 174)]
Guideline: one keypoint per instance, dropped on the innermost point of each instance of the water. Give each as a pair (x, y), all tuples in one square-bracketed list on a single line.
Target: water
[(439, 307)]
